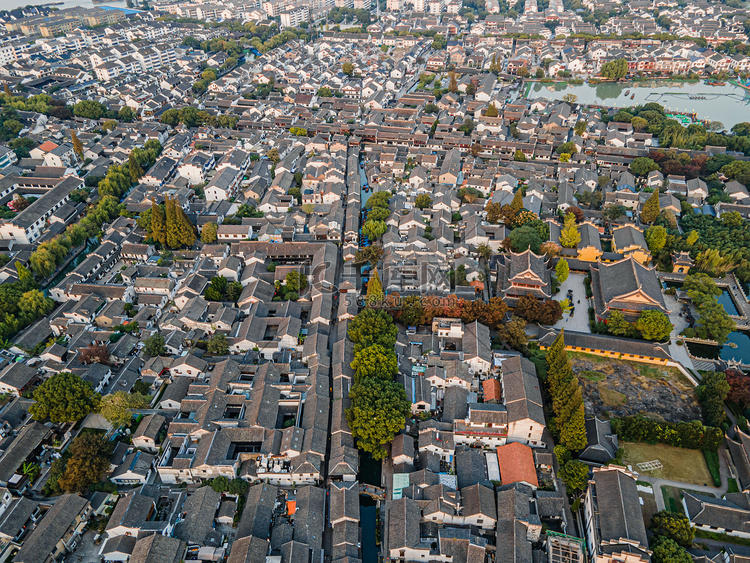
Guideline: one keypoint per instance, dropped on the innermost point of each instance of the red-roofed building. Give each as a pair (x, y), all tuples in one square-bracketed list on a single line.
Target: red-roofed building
[(493, 390), (46, 147), (516, 463)]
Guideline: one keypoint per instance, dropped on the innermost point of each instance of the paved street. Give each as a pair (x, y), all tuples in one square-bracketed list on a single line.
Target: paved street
[(86, 552), (579, 321)]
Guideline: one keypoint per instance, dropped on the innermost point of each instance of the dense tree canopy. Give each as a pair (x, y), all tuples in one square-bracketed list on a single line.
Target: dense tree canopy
[(373, 326), (674, 526), (567, 401), (117, 408), (64, 397), (375, 361), (654, 325), (379, 410), (712, 392), (87, 463), (525, 237)]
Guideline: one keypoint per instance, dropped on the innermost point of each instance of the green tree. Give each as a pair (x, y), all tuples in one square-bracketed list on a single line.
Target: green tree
[(562, 270), (324, 92), (43, 263), (411, 312), (372, 326), (516, 204), (347, 68), (491, 111), (378, 199), (220, 484), (158, 224), (126, 114), (614, 70), (569, 235), (639, 124), (33, 304), (525, 237), (651, 208), (375, 361), (674, 526), (218, 345), (64, 397), (186, 229), (575, 475), (654, 325), (656, 238), (568, 147), (273, 155), (423, 201), (567, 401), (77, 145), (154, 345), (89, 109), (171, 117), (712, 392), (171, 223), (134, 167), (643, 165), (666, 550), (375, 292), (374, 229), (519, 156), (117, 408), (295, 281), (484, 251), (618, 325), (378, 411), (208, 233), (24, 275)]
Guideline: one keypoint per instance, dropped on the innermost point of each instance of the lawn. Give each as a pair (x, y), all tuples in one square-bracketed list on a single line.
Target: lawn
[(679, 464)]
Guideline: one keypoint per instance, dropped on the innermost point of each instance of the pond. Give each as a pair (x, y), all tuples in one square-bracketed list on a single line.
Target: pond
[(729, 104), (726, 301), (736, 348), (368, 523)]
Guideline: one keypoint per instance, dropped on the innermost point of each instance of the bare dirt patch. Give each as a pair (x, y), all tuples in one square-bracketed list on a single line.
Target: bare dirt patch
[(615, 388)]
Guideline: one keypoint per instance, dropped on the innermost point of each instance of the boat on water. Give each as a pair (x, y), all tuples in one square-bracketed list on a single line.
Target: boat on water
[(626, 93), (715, 83), (632, 96)]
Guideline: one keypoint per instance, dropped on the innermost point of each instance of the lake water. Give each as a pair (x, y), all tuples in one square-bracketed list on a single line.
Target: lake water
[(729, 104)]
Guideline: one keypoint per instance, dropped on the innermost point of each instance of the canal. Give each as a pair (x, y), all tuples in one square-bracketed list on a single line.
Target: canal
[(370, 474), (729, 104), (368, 512)]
